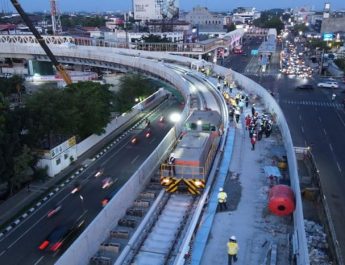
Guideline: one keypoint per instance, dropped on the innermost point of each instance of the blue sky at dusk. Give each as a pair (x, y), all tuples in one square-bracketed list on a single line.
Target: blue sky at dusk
[(224, 5)]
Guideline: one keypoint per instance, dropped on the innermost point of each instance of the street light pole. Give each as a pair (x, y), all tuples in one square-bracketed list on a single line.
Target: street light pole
[(321, 66)]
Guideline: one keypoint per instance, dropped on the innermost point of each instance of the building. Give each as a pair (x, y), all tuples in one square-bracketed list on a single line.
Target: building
[(333, 25), (332, 22), (155, 9), (136, 37), (245, 14), (206, 22), (200, 16)]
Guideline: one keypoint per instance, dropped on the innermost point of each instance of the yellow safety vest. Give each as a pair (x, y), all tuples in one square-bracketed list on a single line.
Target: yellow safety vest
[(222, 196), (232, 248)]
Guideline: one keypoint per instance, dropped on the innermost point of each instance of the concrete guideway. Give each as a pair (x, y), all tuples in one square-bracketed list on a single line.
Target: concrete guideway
[(252, 87)]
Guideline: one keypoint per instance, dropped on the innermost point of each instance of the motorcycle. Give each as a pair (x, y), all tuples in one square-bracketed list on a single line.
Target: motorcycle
[(134, 140), (148, 134)]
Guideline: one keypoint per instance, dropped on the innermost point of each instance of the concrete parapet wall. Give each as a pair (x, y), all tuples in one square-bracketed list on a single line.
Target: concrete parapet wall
[(88, 243)]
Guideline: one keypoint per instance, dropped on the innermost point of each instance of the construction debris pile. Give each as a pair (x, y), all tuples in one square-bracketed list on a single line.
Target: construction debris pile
[(317, 243)]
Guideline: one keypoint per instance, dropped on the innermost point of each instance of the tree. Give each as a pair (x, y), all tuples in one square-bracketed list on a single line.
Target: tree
[(132, 87), (269, 20), (230, 27), (89, 104), (155, 39)]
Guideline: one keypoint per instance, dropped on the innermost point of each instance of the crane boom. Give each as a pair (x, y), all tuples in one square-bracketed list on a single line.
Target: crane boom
[(41, 41)]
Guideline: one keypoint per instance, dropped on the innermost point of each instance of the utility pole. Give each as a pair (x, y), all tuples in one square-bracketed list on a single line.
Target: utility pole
[(321, 66)]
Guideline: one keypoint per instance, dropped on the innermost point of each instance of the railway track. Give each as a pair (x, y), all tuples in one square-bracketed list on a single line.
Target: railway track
[(158, 237), (161, 239)]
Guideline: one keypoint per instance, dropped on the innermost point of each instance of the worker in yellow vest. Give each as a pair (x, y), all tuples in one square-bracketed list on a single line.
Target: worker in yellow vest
[(222, 196), (232, 250)]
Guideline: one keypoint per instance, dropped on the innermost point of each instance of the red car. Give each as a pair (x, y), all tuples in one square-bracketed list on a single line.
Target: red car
[(61, 235)]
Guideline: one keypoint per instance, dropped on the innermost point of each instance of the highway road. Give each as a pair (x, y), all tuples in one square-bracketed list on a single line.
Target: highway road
[(314, 120), (20, 246)]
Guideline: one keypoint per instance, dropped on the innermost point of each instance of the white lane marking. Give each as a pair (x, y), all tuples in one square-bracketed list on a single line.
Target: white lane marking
[(153, 139), (2, 252), (302, 129), (339, 168), (135, 159), (330, 146), (27, 231), (324, 131), (39, 260), (319, 118), (341, 119)]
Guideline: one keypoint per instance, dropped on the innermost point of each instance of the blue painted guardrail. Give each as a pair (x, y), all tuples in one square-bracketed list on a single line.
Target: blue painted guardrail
[(206, 224)]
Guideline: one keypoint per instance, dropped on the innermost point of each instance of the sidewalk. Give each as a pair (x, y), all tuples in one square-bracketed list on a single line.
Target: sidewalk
[(247, 217)]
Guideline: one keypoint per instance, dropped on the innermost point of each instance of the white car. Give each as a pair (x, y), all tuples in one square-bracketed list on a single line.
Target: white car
[(328, 84)]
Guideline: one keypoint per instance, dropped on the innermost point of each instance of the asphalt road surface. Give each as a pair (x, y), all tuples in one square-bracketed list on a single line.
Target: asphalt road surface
[(20, 247), (317, 121)]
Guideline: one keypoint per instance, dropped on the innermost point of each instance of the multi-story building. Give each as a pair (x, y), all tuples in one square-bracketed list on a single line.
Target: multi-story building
[(155, 9), (245, 14)]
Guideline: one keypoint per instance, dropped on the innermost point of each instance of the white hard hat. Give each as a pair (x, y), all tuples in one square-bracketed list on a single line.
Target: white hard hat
[(233, 238), (172, 155), (220, 189)]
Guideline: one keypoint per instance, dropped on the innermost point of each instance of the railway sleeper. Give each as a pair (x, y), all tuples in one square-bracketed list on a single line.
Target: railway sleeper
[(110, 247), (119, 234), (100, 260), (127, 222), (142, 203), (154, 186), (148, 195), (135, 212)]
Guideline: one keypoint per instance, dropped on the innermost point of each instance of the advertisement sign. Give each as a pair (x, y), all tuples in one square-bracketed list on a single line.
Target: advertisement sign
[(327, 36), (254, 52), (63, 147), (155, 9)]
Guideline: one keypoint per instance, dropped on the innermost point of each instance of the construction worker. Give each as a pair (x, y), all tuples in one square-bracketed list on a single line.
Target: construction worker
[(171, 163), (222, 196), (232, 250)]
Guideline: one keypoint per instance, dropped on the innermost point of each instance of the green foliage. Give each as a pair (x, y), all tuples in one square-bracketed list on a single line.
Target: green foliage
[(317, 43), (132, 87), (299, 27), (230, 27), (81, 109), (84, 21), (14, 157), (269, 20), (340, 63), (11, 85), (89, 108), (154, 39)]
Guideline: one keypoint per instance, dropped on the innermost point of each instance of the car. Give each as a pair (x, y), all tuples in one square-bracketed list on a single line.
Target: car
[(107, 182), (54, 211), (305, 86), (61, 235), (328, 84), (107, 198), (99, 173), (76, 188)]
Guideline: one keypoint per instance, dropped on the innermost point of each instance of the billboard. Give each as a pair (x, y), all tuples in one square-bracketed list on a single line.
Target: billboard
[(327, 36), (155, 9)]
